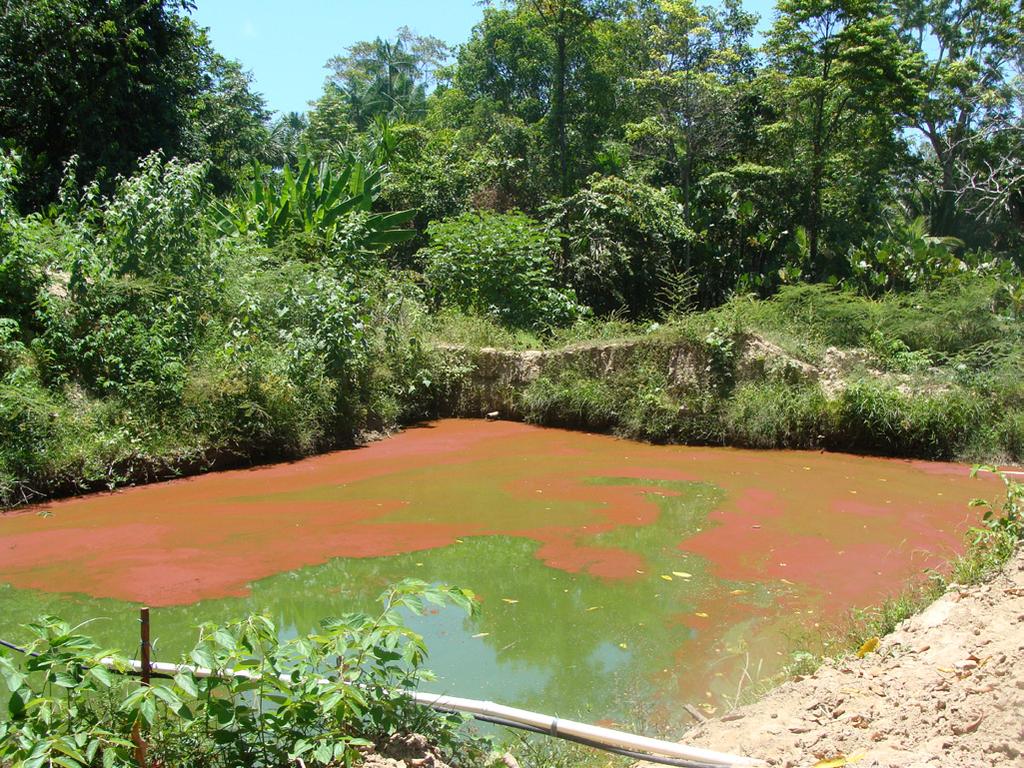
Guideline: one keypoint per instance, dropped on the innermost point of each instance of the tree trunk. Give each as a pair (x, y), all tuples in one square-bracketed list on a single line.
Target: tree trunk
[(814, 214), (558, 112), (559, 119)]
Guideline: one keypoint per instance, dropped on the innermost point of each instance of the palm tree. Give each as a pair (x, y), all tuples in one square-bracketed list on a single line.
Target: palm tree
[(285, 138)]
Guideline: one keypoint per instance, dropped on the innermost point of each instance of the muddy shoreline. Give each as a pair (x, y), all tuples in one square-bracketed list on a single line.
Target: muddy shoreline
[(946, 688)]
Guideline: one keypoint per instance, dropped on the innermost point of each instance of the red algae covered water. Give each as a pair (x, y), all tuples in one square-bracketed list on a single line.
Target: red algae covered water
[(609, 572)]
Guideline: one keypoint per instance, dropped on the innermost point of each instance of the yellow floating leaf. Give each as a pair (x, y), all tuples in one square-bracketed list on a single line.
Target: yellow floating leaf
[(869, 645), (623, 646), (478, 635), (738, 592), (682, 574), (701, 614), (641, 572), (509, 600), (593, 608), (666, 577)]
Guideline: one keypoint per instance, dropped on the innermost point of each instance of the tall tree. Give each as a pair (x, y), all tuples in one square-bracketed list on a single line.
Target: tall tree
[(991, 173), (286, 137), (839, 76), (228, 121), (694, 61), (107, 80), (506, 81), (966, 48), (388, 77), (565, 21)]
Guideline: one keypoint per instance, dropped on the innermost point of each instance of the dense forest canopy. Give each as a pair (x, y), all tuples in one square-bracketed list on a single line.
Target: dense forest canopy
[(182, 270), (681, 143)]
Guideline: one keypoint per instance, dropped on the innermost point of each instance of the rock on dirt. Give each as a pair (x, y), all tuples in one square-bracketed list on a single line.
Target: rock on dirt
[(404, 751), (945, 689)]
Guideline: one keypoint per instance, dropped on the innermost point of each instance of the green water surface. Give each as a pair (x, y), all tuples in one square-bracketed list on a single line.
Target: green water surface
[(571, 644)]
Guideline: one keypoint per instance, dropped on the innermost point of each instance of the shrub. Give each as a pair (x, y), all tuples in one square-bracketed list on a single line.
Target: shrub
[(11, 348), (499, 264), (152, 225), (48, 444), (626, 242), (21, 268), (141, 275), (317, 200), (907, 258)]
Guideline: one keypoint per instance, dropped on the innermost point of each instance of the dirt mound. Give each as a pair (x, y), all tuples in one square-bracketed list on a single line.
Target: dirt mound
[(945, 689)]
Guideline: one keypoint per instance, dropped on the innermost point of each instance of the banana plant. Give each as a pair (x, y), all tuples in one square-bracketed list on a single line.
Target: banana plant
[(315, 199), (907, 258)]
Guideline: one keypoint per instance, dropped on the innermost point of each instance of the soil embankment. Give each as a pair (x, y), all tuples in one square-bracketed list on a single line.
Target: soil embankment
[(494, 380), (945, 689)]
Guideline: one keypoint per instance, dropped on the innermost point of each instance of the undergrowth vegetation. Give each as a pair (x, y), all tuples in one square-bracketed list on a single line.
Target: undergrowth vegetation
[(139, 339)]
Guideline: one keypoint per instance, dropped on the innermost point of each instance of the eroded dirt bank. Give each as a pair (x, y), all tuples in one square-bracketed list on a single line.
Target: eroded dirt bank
[(945, 689), (493, 380)]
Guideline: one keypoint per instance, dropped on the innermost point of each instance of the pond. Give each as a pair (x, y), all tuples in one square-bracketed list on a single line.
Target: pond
[(616, 579)]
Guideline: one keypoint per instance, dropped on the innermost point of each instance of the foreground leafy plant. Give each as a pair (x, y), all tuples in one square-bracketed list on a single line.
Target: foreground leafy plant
[(319, 698), (54, 699), (1002, 527)]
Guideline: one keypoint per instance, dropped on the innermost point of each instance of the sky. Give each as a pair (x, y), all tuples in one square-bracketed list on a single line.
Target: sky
[(285, 43)]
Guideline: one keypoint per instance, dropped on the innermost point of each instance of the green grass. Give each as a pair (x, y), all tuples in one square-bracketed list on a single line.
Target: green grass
[(477, 331), (637, 399), (773, 414)]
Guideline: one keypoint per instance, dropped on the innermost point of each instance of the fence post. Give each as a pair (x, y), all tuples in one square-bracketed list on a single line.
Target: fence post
[(144, 649), (141, 748)]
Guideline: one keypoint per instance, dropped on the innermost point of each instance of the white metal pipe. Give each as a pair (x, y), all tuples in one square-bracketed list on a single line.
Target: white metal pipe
[(553, 725)]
